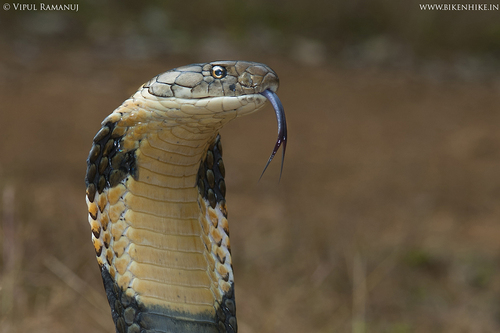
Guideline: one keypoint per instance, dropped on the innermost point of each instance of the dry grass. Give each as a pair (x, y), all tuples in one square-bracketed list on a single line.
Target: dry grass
[(385, 220)]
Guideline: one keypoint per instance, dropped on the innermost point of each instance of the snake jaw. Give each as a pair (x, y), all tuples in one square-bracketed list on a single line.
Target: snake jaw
[(282, 130)]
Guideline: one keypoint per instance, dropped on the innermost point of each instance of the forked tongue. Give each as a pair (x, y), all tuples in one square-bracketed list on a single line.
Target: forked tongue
[(280, 117)]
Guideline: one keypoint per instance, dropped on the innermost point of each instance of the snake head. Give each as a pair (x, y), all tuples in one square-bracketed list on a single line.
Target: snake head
[(228, 88), (214, 79)]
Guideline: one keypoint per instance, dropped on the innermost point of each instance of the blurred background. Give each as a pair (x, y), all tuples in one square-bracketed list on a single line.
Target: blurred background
[(386, 218)]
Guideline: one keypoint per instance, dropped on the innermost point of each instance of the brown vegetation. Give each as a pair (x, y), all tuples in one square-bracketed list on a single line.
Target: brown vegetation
[(385, 219)]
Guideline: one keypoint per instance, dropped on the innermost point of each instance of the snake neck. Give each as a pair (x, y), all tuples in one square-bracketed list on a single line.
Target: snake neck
[(155, 191)]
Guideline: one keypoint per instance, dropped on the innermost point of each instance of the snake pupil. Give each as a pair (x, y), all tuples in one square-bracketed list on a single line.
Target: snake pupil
[(218, 72)]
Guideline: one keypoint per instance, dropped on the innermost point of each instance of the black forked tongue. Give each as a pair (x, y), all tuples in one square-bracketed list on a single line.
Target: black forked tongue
[(280, 116)]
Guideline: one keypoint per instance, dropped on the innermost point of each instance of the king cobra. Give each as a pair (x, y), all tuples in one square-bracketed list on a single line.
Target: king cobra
[(156, 196)]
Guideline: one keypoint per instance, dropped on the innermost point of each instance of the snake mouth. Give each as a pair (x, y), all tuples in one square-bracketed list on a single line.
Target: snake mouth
[(282, 132)]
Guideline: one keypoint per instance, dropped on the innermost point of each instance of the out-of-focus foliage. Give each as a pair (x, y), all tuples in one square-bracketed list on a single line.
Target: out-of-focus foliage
[(379, 31), (386, 217)]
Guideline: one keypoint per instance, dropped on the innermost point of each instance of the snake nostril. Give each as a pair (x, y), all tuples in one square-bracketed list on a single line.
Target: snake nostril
[(245, 79)]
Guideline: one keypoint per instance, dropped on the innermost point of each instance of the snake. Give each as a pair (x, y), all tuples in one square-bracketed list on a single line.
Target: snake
[(156, 196)]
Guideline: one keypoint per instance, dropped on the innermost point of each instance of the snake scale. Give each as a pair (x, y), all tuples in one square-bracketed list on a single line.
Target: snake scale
[(156, 196)]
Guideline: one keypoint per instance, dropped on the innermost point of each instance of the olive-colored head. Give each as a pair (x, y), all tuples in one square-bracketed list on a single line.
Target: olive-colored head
[(227, 88), (214, 79)]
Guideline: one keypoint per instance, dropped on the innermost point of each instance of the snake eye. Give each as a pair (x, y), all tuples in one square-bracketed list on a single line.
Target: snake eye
[(219, 72)]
